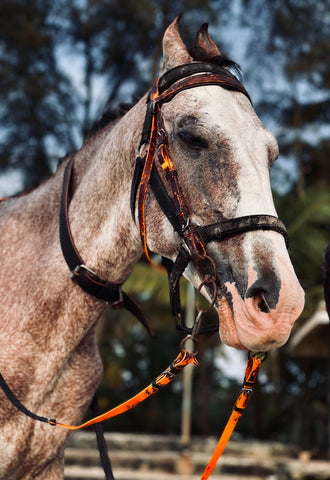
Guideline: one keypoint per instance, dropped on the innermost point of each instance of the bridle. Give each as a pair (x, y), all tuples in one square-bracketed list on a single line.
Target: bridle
[(194, 238), (154, 142)]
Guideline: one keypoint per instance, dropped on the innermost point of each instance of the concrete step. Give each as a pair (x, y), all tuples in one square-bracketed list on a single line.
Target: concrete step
[(157, 457), (315, 470), (171, 461)]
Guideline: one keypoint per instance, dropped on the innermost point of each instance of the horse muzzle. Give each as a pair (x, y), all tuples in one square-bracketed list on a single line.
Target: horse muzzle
[(260, 316)]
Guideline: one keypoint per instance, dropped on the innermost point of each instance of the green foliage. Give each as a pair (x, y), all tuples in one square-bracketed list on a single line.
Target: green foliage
[(307, 220)]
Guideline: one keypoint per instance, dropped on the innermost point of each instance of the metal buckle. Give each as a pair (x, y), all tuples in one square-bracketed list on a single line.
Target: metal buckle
[(76, 272), (120, 302)]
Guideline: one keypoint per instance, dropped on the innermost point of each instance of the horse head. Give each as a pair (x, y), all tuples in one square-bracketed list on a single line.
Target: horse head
[(222, 155)]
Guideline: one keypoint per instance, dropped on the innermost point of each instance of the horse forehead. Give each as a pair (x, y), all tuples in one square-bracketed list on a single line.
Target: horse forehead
[(215, 108), (238, 154), (227, 116)]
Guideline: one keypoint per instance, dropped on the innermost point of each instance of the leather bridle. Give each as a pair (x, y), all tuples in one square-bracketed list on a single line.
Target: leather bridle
[(154, 141), (194, 238)]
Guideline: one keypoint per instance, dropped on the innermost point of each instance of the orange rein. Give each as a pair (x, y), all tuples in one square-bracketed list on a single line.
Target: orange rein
[(254, 363), (182, 360), (185, 358)]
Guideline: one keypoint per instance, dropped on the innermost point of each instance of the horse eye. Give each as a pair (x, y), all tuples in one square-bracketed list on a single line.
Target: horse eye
[(192, 140)]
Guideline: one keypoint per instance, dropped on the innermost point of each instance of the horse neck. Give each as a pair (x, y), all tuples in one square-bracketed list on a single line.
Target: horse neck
[(100, 217)]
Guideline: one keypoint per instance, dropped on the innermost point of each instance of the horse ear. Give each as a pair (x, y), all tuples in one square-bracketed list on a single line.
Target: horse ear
[(174, 50), (204, 50)]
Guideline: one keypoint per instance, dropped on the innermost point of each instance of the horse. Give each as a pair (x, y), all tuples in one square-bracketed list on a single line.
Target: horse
[(222, 155)]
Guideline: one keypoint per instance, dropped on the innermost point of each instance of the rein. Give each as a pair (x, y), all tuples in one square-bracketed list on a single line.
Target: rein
[(183, 359), (154, 148)]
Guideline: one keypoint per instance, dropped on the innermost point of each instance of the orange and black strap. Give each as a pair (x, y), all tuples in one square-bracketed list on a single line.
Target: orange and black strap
[(254, 363), (144, 184), (182, 360)]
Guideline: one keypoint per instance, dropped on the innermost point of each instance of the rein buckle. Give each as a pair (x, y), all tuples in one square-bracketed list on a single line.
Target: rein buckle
[(76, 272)]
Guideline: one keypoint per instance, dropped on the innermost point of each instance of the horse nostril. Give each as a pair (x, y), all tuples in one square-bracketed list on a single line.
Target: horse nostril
[(262, 305), (262, 298)]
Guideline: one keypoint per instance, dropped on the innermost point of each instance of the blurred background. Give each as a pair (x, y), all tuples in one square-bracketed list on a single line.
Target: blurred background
[(64, 62)]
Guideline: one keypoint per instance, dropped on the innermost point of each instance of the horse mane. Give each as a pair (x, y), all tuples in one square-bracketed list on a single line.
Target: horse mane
[(110, 115)]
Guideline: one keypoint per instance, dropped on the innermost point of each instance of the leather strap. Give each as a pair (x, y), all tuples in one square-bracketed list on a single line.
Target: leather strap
[(189, 69), (83, 275), (235, 226)]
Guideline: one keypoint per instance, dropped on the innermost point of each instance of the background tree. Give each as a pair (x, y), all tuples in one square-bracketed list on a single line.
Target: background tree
[(291, 49), (64, 62), (34, 93)]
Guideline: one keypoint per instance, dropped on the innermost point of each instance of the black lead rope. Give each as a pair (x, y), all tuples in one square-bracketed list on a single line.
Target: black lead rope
[(101, 442), (14, 400)]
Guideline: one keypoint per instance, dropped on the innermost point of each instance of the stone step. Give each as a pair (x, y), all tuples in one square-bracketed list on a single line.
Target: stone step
[(314, 470), (169, 464)]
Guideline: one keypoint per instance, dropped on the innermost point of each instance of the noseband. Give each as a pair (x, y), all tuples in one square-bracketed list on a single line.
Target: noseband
[(154, 142)]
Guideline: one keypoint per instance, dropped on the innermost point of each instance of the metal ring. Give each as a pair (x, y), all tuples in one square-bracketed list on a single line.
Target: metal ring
[(189, 337)]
